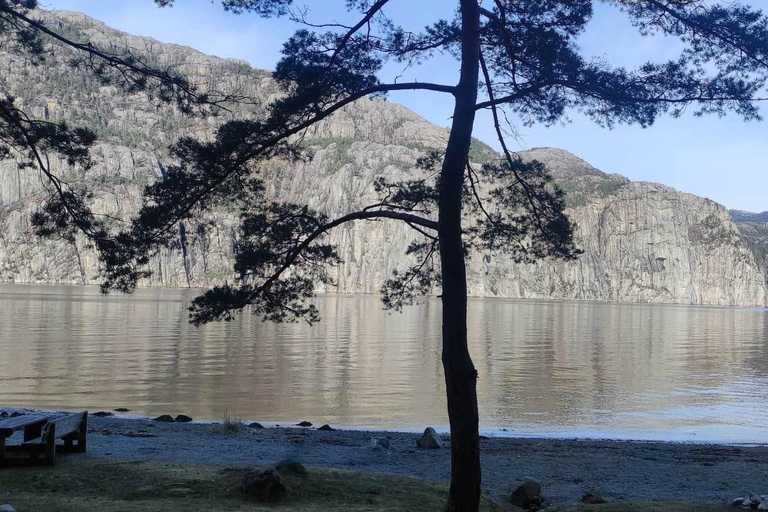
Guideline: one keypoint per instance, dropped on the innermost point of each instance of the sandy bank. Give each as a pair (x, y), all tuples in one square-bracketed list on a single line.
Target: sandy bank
[(617, 470)]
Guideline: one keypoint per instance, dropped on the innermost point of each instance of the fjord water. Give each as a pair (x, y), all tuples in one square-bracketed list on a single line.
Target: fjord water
[(571, 369)]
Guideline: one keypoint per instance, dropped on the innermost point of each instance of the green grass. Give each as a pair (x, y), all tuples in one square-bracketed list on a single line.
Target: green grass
[(231, 423), (81, 484)]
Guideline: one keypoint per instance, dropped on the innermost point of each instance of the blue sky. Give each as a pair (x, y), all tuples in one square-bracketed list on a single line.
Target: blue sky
[(724, 159)]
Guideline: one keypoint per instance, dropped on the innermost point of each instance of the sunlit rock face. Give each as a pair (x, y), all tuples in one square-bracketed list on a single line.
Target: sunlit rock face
[(642, 242)]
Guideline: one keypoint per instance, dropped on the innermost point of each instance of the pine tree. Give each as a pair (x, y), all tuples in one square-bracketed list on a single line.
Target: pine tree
[(517, 56)]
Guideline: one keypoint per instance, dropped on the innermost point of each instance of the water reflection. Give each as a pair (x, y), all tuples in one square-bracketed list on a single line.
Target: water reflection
[(609, 370)]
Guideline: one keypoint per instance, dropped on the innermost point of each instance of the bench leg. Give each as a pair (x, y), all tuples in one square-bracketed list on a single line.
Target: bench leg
[(82, 434), (50, 450), (81, 443)]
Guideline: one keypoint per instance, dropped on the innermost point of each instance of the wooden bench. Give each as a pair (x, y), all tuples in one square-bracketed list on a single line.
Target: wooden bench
[(69, 428), (32, 426)]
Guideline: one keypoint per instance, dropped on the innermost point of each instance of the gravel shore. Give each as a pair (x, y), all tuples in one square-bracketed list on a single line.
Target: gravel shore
[(567, 469)]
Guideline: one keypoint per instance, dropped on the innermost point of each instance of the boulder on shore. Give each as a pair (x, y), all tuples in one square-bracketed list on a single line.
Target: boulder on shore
[(592, 499), (183, 418), (527, 494), (326, 428), (380, 444), (265, 485), (165, 418), (752, 501), (429, 439)]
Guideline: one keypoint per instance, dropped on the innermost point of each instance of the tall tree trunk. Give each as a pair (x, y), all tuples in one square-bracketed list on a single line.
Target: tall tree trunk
[(460, 373)]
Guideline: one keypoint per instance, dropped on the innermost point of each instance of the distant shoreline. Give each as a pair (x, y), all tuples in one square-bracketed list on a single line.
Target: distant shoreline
[(545, 300), (567, 469)]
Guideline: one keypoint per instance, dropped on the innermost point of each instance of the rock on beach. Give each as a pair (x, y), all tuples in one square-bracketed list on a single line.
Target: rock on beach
[(380, 444), (429, 439), (527, 495), (264, 485)]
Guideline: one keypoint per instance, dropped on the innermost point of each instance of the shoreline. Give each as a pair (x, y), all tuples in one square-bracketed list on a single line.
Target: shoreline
[(490, 432), (617, 470), (544, 300)]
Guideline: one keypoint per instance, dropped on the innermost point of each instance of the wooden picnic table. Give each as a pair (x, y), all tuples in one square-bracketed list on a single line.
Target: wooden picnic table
[(32, 425)]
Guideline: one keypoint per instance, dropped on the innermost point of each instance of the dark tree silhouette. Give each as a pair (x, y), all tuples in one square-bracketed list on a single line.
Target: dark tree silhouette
[(518, 59)]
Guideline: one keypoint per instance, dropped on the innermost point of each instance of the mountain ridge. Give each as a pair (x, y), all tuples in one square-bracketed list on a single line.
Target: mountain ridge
[(643, 242)]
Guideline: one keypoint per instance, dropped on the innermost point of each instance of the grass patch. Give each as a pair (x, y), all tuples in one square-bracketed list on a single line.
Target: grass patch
[(230, 423), (80, 484)]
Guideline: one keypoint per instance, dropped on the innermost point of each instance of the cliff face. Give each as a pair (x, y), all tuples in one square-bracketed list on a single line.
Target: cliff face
[(754, 231), (643, 242)]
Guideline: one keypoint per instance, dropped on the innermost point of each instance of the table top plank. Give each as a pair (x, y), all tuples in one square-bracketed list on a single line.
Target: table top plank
[(10, 425)]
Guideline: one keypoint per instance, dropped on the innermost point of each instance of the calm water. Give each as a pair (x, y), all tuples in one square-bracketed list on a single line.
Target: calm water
[(546, 368)]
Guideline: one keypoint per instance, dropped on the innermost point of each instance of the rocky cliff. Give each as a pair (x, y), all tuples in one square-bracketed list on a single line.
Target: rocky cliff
[(754, 231), (642, 242)]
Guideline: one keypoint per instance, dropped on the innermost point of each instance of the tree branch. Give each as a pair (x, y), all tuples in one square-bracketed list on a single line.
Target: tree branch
[(272, 141), (121, 64), (362, 215), (344, 40)]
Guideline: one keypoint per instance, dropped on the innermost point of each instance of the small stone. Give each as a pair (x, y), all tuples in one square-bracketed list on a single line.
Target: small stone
[(763, 506), (255, 424), (122, 409), (304, 424), (102, 414), (183, 418), (327, 428), (16, 414), (106, 432), (291, 467), (379, 444), (3, 414), (165, 418), (592, 499), (429, 439), (527, 494), (737, 502), (266, 485), (7, 508)]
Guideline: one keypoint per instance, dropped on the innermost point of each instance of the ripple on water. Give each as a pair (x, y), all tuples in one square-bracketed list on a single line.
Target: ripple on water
[(546, 368)]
